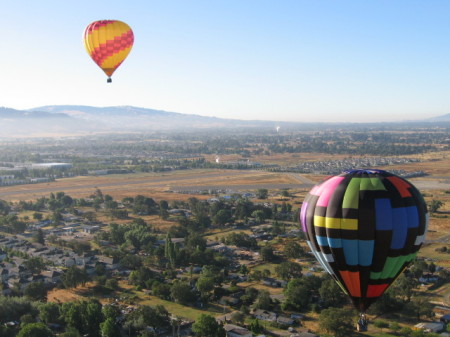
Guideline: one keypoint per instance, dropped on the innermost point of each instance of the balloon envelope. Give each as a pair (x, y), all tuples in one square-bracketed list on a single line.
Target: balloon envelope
[(108, 42), (364, 227)]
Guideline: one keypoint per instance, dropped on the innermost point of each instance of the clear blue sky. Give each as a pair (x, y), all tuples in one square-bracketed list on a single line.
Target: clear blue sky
[(291, 60)]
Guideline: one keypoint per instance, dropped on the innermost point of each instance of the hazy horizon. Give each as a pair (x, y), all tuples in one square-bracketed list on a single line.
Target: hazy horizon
[(299, 61)]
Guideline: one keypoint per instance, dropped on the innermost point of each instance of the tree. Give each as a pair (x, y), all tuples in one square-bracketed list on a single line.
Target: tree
[(207, 326), (67, 200), (243, 209), (196, 242), (259, 215), (182, 293), (70, 332), (250, 296), (285, 193), (57, 217), (147, 316), (293, 250), (49, 312), (39, 237), (4, 207), (37, 216), (93, 316), (35, 265), (222, 217), (263, 300), (262, 193), (109, 328), (421, 306), (74, 276), (111, 311), (237, 317), (288, 270), (267, 253), (12, 308), (388, 302), (381, 324), (432, 267), (297, 296), (418, 268), (72, 315), (85, 316), (256, 327), (163, 209), (337, 321), (205, 284), (35, 330), (434, 205), (243, 269), (112, 283), (331, 294), (36, 291), (170, 251), (404, 286)]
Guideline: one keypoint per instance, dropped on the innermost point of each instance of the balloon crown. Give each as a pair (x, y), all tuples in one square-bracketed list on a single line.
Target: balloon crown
[(365, 171)]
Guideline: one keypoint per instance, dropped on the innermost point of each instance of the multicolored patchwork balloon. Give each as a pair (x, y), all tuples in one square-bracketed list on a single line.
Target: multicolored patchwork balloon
[(108, 42), (364, 227)]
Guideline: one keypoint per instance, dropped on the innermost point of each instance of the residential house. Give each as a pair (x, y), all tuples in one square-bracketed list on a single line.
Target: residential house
[(51, 277), (445, 319), (228, 300), (441, 310), (111, 263), (17, 282), (236, 331), (297, 316), (264, 315), (4, 274), (180, 242), (271, 282), (3, 255), (284, 320), (19, 271), (428, 278), (304, 334), (91, 229), (430, 327)]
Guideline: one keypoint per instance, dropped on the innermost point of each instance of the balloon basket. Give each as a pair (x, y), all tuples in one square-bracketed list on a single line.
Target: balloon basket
[(361, 326)]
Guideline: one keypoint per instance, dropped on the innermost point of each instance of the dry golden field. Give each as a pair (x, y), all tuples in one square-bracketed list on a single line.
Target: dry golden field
[(157, 185)]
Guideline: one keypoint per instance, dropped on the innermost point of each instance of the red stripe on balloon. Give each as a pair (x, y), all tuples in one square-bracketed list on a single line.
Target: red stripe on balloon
[(111, 47), (98, 24), (401, 185), (376, 290)]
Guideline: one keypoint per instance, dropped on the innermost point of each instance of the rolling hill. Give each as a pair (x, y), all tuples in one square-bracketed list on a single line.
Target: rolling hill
[(66, 120)]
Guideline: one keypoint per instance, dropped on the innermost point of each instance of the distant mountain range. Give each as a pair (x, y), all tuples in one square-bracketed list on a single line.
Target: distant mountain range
[(443, 118), (78, 119)]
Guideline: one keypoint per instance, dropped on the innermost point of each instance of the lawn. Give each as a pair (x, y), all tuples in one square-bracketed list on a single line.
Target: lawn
[(178, 309)]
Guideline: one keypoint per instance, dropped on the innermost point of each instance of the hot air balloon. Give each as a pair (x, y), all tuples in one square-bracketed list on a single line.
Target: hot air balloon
[(364, 227), (108, 42)]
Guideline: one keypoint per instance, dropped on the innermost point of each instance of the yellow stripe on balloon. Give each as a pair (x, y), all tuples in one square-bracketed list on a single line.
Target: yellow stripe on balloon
[(110, 63)]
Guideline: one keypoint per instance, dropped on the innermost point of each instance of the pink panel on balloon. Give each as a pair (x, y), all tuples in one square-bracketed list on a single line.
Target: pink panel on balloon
[(326, 190)]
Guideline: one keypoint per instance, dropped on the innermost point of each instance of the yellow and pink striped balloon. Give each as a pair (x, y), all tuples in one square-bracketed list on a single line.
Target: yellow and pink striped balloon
[(108, 42)]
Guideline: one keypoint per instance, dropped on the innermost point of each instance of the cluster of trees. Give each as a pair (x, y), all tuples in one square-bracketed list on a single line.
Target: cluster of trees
[(78, 318), (204, 214)]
